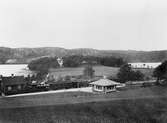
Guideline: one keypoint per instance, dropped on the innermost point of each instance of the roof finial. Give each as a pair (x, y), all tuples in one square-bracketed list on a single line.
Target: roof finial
[(104, 77)]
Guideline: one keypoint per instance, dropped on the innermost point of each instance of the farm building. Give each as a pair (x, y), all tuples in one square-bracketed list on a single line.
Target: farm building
[(145, 65), (12, 84), (104, 85)]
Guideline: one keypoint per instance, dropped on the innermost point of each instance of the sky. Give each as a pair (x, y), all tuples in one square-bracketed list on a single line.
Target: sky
[(98, 24)]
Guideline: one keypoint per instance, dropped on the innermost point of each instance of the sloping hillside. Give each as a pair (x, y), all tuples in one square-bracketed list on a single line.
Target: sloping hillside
[(25, 55)]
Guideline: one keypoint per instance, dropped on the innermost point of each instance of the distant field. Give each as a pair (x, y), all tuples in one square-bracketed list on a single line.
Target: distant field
[(130, 110), (99, 71)]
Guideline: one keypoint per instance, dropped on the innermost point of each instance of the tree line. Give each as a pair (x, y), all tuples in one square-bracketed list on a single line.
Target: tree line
[(43, 64), (160, 72), (126, 73)]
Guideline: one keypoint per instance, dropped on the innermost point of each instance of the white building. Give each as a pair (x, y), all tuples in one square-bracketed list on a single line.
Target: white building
[(145, 65), (60, 61), (104, 85)]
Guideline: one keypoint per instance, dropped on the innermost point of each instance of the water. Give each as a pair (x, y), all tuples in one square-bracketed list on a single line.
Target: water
[(16, 69), (145, 64)]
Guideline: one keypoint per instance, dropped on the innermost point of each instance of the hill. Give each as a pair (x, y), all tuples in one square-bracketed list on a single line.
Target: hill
[(25, 55)]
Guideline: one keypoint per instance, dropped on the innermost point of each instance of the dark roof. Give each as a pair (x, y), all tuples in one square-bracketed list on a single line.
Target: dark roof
[(15, 80)]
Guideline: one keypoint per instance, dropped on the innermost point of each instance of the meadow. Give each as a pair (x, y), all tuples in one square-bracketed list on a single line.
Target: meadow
[(99, 71), (152, 110), (141, 105)]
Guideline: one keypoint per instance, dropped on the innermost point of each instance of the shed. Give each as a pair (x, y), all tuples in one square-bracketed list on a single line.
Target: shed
[(12, 84)]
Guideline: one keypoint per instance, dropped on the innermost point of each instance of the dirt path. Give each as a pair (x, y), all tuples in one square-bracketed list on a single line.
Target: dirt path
[(86, 89)]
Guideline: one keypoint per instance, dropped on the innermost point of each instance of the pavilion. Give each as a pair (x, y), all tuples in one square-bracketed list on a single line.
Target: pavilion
[(104, 85)]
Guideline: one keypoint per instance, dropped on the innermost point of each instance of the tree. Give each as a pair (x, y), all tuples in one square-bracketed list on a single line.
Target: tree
[(124, 73), (42, 66), (112, 61), (5, 54), (71, 61), (137, 76), (76, 60), (160, 72), (127, 74), (88, 71)]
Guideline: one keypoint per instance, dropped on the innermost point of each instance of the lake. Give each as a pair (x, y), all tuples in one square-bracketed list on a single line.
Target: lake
[(16, 69)]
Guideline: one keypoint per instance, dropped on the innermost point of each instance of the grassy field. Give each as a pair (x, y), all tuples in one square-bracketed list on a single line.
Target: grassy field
[(80, 97), (99, 71), (153, 110), (141, 105)]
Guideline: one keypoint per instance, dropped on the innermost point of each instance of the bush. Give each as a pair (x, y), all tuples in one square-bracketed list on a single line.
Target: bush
[(160, 72), (127, 74)]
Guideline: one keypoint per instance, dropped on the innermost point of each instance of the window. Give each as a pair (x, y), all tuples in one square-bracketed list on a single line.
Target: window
[(9, 88), (98, 87), (110, 87), (19, 87)]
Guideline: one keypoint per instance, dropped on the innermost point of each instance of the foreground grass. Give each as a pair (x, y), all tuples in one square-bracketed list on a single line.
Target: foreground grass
[(122, 111), (142, 105), (81, 97)]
